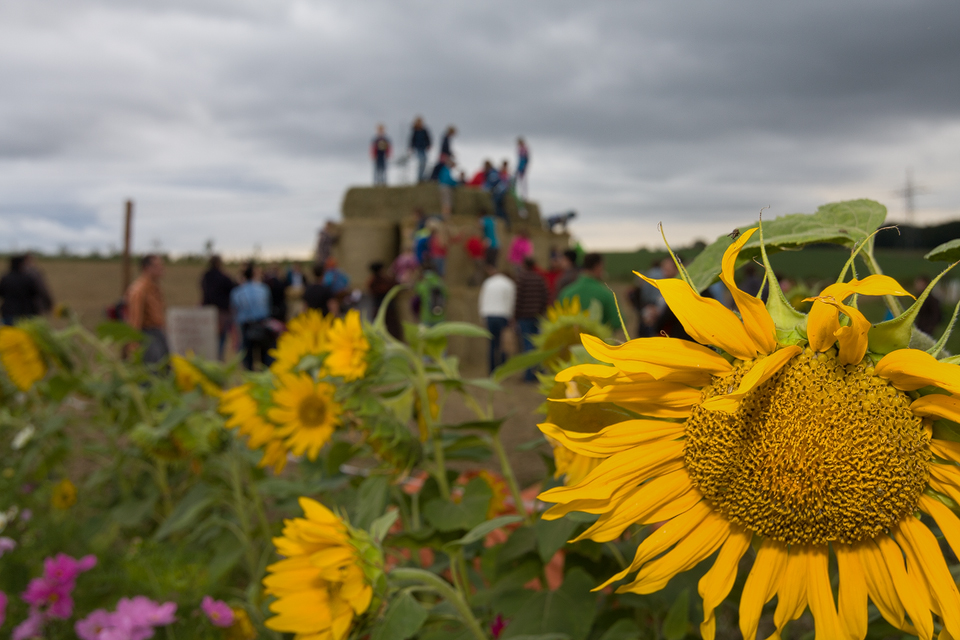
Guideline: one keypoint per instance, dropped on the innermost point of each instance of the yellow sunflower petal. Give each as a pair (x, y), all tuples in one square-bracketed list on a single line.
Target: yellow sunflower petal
[(909, 369), (716, 583), (792, 594), (820, 595), (673, 490), (688, 553), (663, 538), (946, 450), (614, 438), (851, 339), (706, 320), (915, 535), (936, 405), (656, 399), (628, 468), (761, 585), (853, 591), (762, 370), (823, 321), (657, 355), (907, 590), (946, 520), (880, 584), (757, 322)]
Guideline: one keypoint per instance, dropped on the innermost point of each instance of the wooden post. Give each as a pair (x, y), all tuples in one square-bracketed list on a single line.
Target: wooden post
[(125, 261)]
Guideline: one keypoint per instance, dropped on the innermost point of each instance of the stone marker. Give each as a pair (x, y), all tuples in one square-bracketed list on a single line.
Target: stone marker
[(193, 329)]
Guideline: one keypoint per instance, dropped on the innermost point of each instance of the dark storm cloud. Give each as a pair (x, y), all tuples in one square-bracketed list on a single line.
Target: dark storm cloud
[(640, 111)]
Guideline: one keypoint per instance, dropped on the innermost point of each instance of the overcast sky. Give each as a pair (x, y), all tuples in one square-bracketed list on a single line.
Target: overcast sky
[(245, 121)]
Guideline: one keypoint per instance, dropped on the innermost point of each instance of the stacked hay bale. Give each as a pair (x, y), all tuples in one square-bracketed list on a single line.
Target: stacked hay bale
[(379, 222)]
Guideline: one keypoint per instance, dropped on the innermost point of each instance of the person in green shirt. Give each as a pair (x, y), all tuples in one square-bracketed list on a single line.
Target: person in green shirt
[(431, 292), (589, 287)]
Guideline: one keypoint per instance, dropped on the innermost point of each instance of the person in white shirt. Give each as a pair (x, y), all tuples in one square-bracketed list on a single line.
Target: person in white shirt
[(498, 295)]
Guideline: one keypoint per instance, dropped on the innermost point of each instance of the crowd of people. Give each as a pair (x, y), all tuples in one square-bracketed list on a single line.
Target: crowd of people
[(498, 181)]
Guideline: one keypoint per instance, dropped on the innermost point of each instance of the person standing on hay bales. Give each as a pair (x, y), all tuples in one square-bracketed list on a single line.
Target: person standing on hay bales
[(523, 161), (420, 144), (446, 183), (146, 309), (380, 151), (446, 148)]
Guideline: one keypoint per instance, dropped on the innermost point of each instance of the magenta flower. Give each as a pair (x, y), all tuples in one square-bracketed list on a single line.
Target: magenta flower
[(55, 596), (498, 625), (145, 612), (3, 607), (90, 628), (64, 569), (219, 613), (32, 627)]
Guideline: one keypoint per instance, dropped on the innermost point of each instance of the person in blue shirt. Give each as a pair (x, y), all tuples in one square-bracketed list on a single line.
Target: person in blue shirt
[(446, 185), (250, 302), (334, 278), (490, 240)]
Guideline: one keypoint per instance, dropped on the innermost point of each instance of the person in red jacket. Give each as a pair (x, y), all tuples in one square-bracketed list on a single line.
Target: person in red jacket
[(380, 152)]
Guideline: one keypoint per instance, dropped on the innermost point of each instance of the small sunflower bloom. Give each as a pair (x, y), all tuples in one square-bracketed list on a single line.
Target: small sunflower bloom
[(21, 358), (305, 412), (188, 377), (64, 495), (816, 452), (244, 415), (348, 348), (325, 579), (306, 335), (562, 325)]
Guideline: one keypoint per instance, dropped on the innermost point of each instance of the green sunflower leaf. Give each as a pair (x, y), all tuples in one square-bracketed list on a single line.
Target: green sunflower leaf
[(403, 618), (844, 223), (946, 252)]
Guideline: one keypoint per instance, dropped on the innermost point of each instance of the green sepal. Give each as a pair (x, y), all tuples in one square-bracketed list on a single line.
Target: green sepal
[(786, 319), (899, 333), (942, 342), (946, 430)]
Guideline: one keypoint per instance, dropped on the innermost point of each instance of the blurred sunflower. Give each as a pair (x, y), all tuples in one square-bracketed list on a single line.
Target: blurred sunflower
[(64, 495), (188, 377), (348, 348), (21, 358), (578, 420), (244, 415), (325, 578), (305, 412), (797, 442), (561, 326), (306, 335)]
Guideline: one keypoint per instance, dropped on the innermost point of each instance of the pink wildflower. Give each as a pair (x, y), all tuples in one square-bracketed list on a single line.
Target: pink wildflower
[(32, 627), (90, 627), (497, 627), (64, 569), (6, 545), (3, 607), (146, 612), (220, 614), (55, 596)]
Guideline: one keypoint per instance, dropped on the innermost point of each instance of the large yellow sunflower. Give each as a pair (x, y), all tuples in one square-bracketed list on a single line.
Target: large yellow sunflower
[(188, 377), (305, 412), (305, 335), (21, 358), (320, 584), (809, 449), (244, 415), (348, 348)]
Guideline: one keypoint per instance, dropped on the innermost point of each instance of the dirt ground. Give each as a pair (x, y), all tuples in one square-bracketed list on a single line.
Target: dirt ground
[(88, 287)]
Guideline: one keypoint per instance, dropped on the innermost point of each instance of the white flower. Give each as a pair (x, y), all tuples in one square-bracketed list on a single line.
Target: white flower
[(23, 437)]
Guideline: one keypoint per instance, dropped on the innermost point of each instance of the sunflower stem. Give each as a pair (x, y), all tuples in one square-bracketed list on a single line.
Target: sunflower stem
[(443, 588), (509, 476), (236, 483)]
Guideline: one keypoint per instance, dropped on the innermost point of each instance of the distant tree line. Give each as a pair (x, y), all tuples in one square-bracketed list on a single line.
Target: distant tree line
[(906, 236)]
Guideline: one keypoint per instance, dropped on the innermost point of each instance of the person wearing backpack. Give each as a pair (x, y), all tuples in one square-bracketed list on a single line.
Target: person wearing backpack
[(431, 295)]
